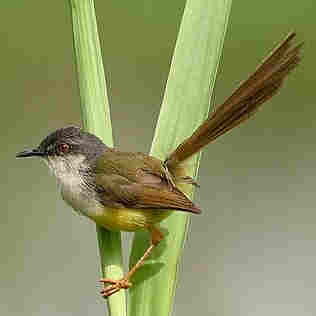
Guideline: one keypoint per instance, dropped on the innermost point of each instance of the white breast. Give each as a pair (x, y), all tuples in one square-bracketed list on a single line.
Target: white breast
[(72, 192)]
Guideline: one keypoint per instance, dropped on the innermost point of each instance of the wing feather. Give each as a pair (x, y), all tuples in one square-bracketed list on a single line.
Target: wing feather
[(126, 181)]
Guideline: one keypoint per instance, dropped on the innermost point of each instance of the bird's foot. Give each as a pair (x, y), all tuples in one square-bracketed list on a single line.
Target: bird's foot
[(116, 286)]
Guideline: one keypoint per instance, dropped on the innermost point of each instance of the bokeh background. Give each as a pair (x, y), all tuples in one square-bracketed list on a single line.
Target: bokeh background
[(252, 252)]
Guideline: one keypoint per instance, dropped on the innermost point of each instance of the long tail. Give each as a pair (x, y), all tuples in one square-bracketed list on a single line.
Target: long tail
[(262, 85)]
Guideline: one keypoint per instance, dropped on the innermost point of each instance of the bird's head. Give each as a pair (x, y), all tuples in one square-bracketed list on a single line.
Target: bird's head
[(67, 148)]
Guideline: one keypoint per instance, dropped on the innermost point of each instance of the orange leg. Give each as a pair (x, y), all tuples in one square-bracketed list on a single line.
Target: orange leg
[(124, 283)]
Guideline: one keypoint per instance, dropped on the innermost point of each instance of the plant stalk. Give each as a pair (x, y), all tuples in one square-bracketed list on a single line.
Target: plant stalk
[(95, 113)]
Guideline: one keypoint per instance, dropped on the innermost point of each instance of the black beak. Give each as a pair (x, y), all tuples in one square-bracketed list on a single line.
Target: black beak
[(30, 153)]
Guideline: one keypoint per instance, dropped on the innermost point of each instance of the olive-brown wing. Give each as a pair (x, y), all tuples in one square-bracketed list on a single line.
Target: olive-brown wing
[(117, 191)]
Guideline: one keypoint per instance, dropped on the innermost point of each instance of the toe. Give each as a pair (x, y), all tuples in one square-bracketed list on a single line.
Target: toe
[(110, 292), (110, 281)]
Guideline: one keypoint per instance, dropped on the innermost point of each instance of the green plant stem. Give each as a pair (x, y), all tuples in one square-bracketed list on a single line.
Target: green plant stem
[(185, 105), (95, 115)]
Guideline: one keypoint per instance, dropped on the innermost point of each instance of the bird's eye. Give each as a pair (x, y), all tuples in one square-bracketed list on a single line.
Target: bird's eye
[(63, 148)]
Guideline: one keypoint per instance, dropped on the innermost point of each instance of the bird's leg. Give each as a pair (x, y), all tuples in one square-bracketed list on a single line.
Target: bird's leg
[(124, 283)]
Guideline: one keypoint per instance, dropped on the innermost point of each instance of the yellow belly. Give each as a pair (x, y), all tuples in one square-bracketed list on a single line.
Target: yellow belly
[(125, 219)]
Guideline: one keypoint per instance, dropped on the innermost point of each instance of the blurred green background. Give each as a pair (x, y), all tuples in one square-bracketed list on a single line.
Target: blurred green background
[(252, 252)]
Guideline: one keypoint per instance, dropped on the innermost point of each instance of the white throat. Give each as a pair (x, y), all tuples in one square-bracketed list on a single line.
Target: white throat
[(74, 189)]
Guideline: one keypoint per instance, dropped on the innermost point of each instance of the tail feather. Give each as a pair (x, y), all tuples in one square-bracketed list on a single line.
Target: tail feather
[(262, 85)]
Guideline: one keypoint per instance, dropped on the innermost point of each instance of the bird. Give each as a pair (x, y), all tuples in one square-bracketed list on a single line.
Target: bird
[(126, 191)]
